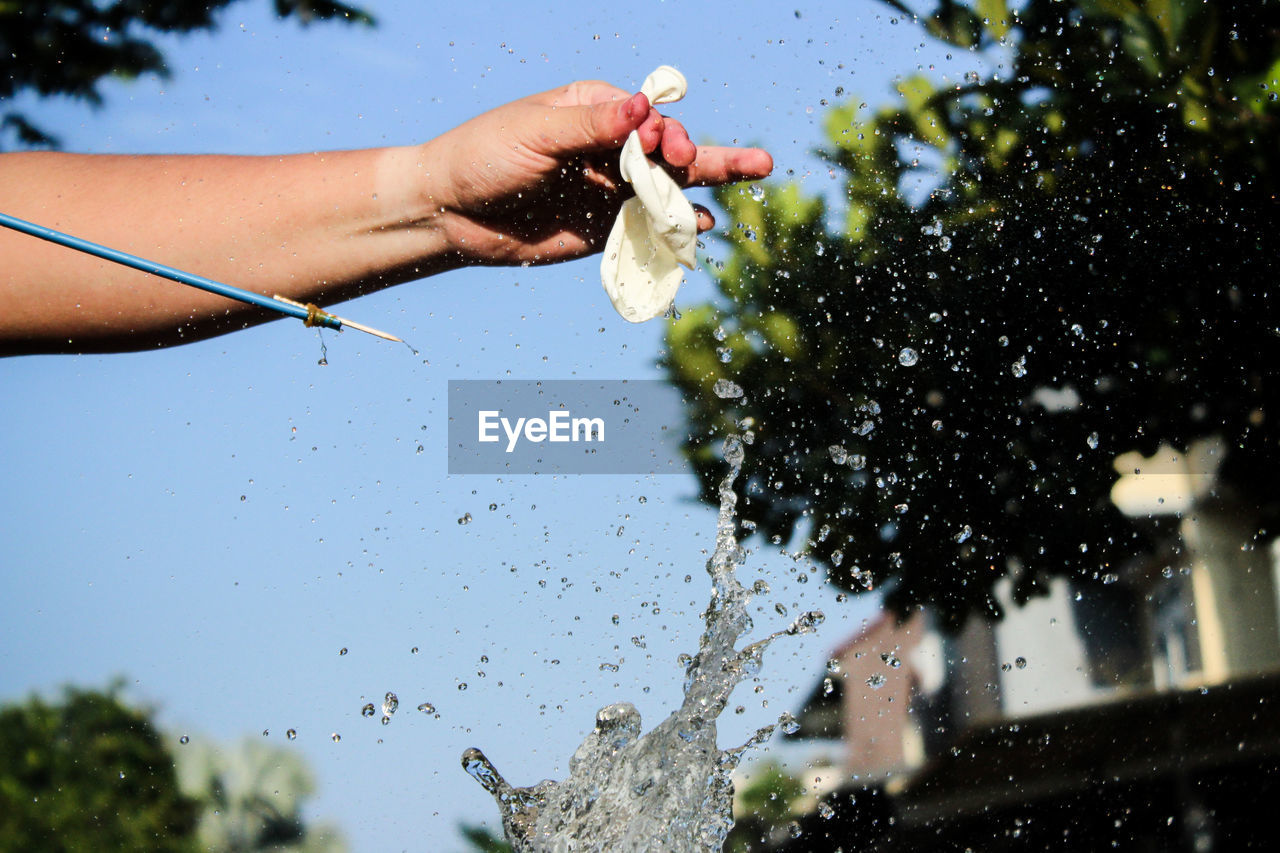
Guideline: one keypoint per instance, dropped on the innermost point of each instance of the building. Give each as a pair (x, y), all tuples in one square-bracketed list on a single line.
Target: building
[(1138, 712)]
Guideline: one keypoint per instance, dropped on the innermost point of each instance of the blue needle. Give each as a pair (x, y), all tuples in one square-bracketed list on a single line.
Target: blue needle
[(309, 314)]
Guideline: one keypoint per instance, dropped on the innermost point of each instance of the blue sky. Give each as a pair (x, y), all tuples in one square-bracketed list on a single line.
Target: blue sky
[(215, 522)]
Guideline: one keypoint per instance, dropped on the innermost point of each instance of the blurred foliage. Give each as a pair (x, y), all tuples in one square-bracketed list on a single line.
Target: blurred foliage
[(251, 798), (481, 840), (67, 47), (89, 773), (763, 808), (776, 813), (1095, 220)]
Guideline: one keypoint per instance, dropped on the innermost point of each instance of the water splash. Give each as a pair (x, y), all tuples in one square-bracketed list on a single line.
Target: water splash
[(669, 788)]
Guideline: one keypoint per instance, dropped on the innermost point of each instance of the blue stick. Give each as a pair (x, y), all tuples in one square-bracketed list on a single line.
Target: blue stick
[(311, 315)]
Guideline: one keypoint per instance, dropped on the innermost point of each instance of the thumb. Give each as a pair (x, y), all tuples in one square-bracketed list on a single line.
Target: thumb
[(595, 127)]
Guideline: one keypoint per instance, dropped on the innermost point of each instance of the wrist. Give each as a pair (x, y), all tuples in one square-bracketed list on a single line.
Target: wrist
[(412, 210)]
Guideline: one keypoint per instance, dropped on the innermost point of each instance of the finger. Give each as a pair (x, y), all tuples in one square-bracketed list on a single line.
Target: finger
[(715, 166), (677, 148), (705, 220), (573, 130), (580, 93), (651, 130)]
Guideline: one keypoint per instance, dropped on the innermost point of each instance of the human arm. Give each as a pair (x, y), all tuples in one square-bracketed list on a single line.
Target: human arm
[(534, 181)]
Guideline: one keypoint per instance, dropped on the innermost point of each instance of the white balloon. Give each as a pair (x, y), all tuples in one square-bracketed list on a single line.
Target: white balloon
[(657, 231)]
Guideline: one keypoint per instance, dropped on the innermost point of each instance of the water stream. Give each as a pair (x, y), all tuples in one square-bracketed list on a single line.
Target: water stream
[(669, 789)]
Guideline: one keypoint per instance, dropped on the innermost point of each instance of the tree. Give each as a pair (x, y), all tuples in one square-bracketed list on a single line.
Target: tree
[(251, 799), (66, 47), (937, 387), (89, 773)]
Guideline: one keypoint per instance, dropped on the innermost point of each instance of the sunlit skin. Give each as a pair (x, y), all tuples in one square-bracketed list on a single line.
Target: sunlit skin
[(534, 181)]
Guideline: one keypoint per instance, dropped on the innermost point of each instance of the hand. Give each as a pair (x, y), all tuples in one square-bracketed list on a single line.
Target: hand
[(536, 180)]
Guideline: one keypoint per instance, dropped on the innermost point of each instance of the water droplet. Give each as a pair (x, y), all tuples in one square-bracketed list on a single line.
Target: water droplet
[(1020, 663), (733, 451), (291, 734), (335, 737), (757, 192), (184, 740), (876, 681), (725, 390), (466, 519), (908, 357), (482, 770), (1019, 367), (342, 651), (390, 703), (788, 723), (368, 710), (427, 708), (1092, 441), (838, 454), (964, 534), (807, 622), (833, 665)]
